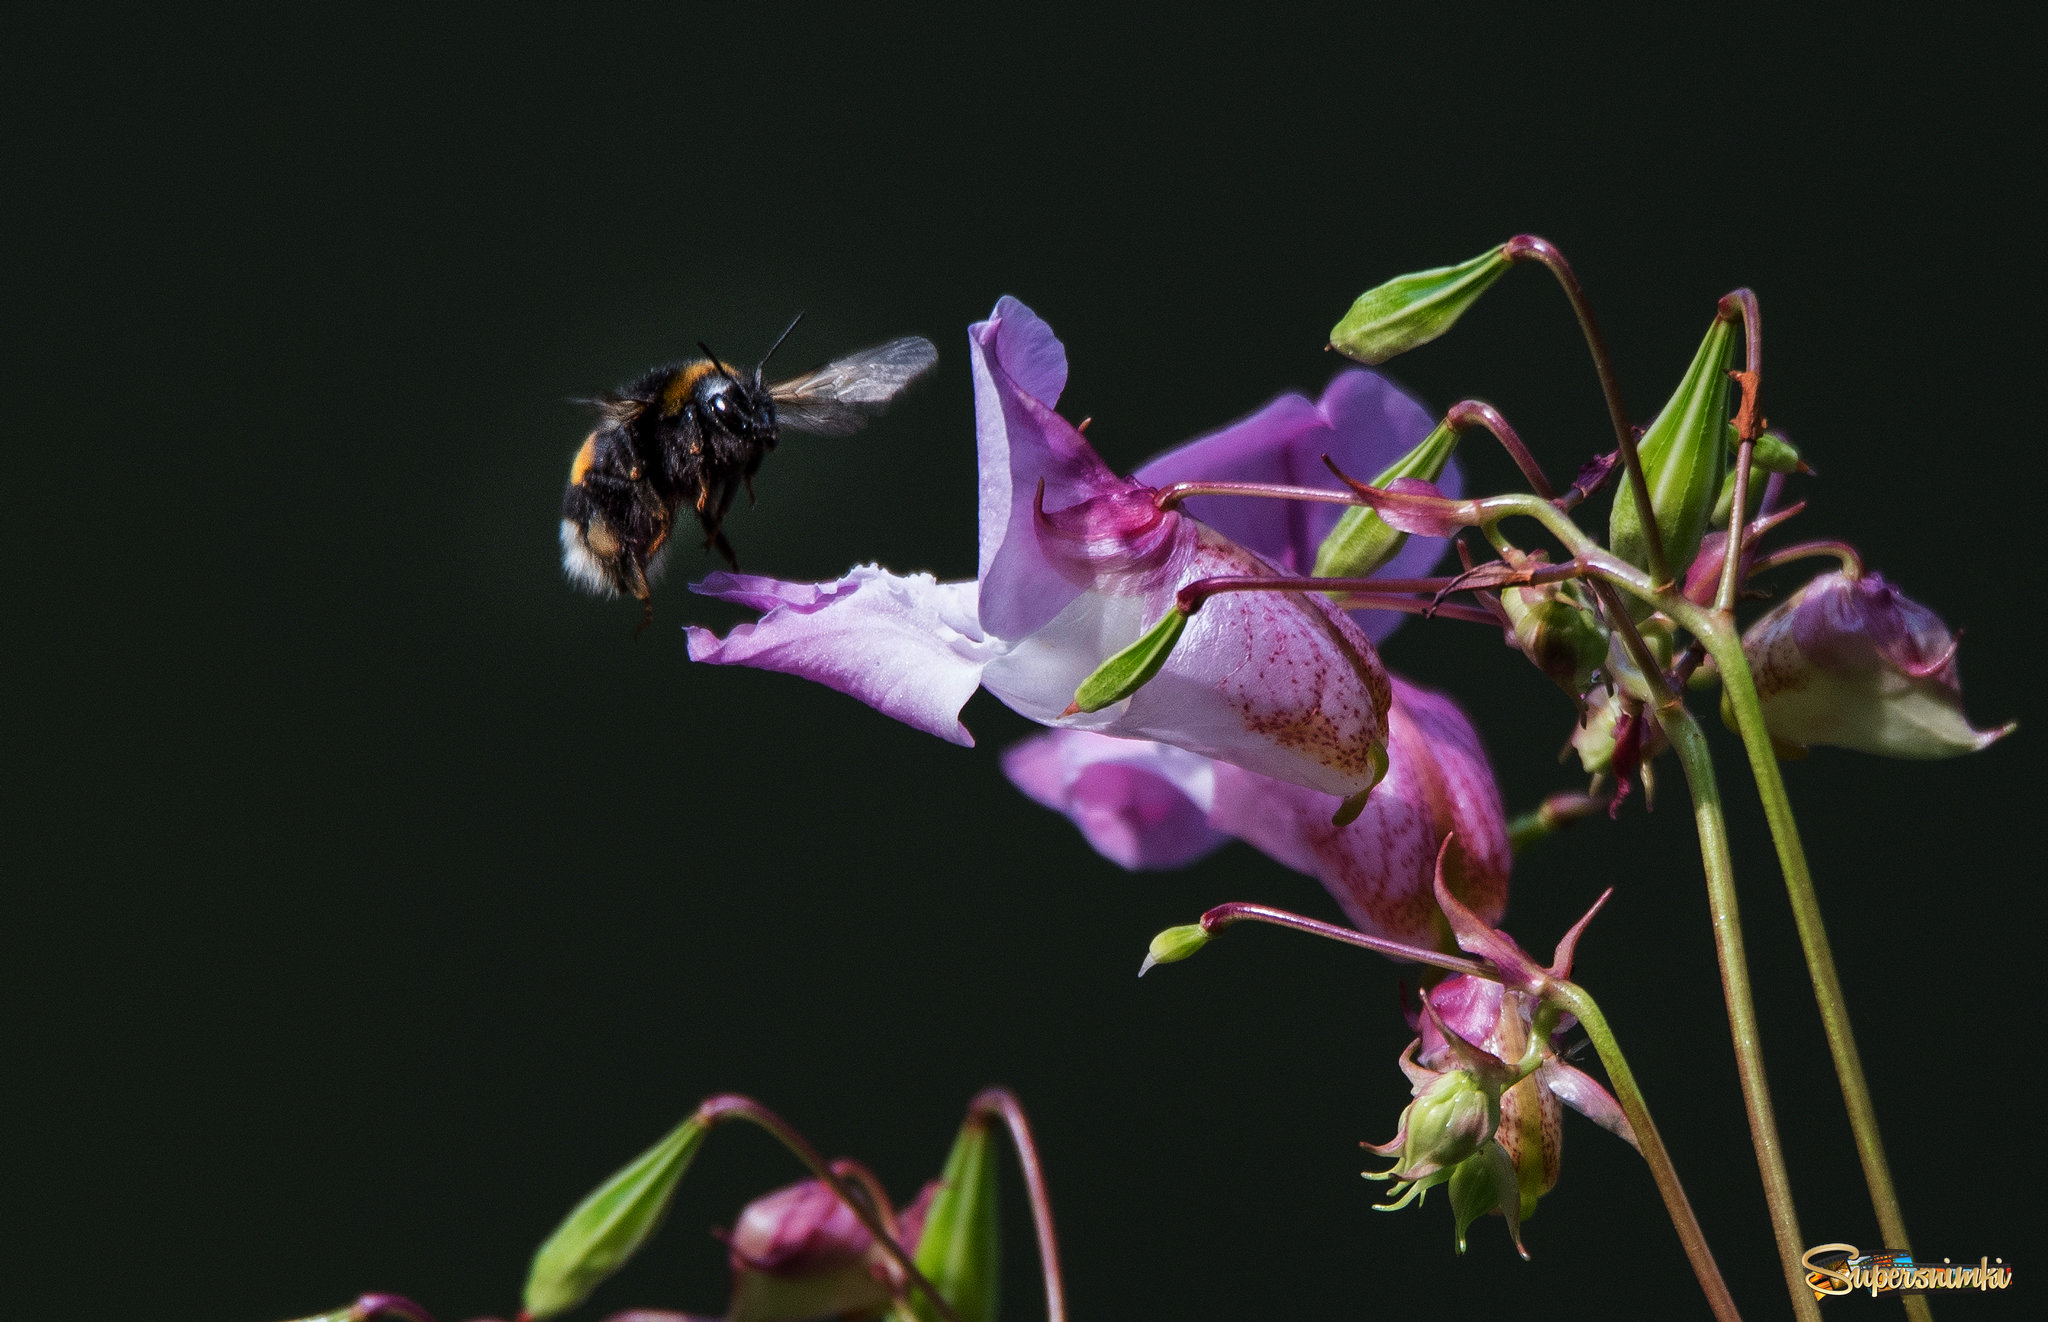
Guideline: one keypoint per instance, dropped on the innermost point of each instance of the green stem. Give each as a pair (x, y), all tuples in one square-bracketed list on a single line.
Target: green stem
[(1575, 999), (1691, 746), (1740, 687)]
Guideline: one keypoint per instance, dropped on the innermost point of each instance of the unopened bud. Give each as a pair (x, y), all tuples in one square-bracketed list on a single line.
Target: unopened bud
[(1173, 945), (1560, 637), (1684, 455), (1411, 310), (1450, 1118)]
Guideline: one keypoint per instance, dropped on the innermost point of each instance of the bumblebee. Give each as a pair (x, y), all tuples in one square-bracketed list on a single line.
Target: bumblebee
[(694, 433)]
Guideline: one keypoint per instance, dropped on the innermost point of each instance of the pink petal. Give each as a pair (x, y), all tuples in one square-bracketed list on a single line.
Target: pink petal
[(1140, 804), (1282, 684), (1147, 805), (909, 647), (1363, 421), (1583, 1093), (1024, 448)]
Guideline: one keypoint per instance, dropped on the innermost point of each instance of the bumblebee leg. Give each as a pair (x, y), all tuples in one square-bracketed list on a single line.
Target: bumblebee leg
[(724, 548), (634, 571), (752, 499)]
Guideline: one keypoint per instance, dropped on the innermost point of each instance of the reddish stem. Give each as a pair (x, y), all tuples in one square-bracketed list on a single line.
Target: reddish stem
[(1003, 1103), (1469, 413), (1224, 915)]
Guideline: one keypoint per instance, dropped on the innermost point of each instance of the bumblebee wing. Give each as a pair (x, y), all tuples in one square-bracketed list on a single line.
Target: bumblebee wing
[(839, 398)]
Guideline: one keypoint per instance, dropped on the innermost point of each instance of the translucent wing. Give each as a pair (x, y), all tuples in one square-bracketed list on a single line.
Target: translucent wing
[(839, 398)]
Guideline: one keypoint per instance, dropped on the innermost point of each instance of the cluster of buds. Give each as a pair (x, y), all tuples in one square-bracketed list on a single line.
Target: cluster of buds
[(832, 1246)]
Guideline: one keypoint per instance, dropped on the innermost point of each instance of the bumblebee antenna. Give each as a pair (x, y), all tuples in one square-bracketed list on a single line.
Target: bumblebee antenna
[(778, 343), (715, 363)]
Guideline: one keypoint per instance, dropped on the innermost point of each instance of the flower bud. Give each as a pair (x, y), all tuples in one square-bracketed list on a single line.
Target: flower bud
[(1451, 1116), (609, 1226), (960, 1248), (1411, 310), (1558, 635), (1850, 661), (800, 1253), (1362, 542), (1174, 945), (1684, 454)]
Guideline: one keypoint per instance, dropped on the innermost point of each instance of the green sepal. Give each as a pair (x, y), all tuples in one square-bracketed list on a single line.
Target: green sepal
[(1486, 1182), (1685, 456), (1173, 945), (1362, 542), (1411, 310), (1131, 669), (610, 1225), (961, 1247)]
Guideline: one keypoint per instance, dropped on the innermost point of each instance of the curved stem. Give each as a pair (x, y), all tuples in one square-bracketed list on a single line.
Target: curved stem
[(1003, 1103), (1468, 413), (1852, 563), (1740, 688), (1529, 248), (1691, 747), (1651, 1144), (732, 1106), (1224, 915)]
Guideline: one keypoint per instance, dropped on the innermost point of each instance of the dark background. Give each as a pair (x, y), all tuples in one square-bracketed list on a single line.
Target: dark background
[(371, 894)]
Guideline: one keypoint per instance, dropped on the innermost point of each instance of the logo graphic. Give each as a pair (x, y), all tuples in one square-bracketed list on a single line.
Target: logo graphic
[(1843, 1269)]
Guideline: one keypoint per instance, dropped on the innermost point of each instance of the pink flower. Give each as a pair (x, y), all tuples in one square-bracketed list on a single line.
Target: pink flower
[(1075, 564), (1855, 663), (1146, 805)]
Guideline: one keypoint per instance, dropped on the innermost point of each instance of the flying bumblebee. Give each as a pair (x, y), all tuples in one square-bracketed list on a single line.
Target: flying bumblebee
[(694, 433)]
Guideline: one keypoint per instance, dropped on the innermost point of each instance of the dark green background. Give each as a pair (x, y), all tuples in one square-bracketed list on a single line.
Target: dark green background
[(371, 894)]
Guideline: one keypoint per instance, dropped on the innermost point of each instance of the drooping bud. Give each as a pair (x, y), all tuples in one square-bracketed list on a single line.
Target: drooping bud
[(1850, 661), (1362, 542), (1411, 310), (1173, 945), (1488, 1182), (610, 1225), (1684, 455), (1561, 637)]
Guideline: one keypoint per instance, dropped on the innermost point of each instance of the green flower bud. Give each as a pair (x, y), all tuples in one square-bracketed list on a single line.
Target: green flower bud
[(1562, 638), (1173, 945), (1362, 541), (1772, 453), (960, 1249), (1451, 1117), (1411, 310), (609, 1226), (1488, 1182), (1685, 455)]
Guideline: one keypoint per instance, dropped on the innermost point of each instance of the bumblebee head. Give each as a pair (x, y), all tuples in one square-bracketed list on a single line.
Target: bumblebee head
[(736, 406)]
